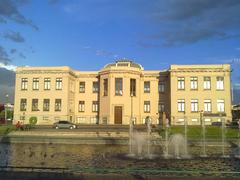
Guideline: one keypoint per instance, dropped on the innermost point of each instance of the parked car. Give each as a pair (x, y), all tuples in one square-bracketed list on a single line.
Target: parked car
[(64, 125), (216, 123)]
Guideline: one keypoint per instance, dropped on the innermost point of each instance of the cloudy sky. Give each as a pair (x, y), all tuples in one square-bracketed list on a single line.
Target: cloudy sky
[(87, 34)]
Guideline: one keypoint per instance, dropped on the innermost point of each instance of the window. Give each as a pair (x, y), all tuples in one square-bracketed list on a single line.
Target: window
[(58, 83), (81, 120), (34, 104), (23, 104), (118, 86), (181, 83), (161, 107), (47, 83), (105, 87), (146, 86), (161, 87), (194, 83), (58, 104), (220, 105), (207, 105), (93, 120), (45, 118), (95, 87), (181, 105), (194, 105), (220, 83), (147, 106), (82, 87), (24, 84), (95, 106), (207, 83), (46, 104), (132, 87), (35, 84), (81, 106)]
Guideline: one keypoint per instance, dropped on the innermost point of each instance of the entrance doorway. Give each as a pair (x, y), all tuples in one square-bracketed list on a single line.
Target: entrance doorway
[(118, 115)]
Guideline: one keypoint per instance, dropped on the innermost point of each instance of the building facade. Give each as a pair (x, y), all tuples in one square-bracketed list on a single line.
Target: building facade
[(124, 91)]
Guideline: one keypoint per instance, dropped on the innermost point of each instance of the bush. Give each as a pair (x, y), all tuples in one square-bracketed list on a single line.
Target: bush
[(33, 120)]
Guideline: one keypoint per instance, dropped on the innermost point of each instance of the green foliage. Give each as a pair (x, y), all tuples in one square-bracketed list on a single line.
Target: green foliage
[(5, 129), (33, 120)]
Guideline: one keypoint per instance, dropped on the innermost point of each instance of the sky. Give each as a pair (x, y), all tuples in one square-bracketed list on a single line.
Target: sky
[(88, 34)]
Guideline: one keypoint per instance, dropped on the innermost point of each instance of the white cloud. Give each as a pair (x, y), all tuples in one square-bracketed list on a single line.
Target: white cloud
[(8, 66), (236, 86)]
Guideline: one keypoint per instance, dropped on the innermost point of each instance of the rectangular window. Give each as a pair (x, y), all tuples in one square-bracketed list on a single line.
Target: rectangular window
[(58, 104), (47, 82), (194, 83), (45, 118), (207, 105), (105, 87), (95, 87), (24, 84), (161, 107), (95, 106), (146, 86), (58, 83), (220, 105), (161, 87), (118, 86), (34, 104), (35, 84), (194, 105), (93, 120), (81, 106), (81, 120), (46, 104), (23, 104), (207, 83), (220, 83), (181, 83), (147, 106), (132, 87), (82, 87), (181, 105)]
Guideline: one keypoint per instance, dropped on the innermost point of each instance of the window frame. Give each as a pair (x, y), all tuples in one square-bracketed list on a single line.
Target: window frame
[(181, 83), (82, 86), (81, 106), (181, 105), (147, 87), (58, 85), (118, 86), (147, 107)]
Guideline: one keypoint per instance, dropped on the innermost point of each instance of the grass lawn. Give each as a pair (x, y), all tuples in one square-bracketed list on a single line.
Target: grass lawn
[(5, 129), (195, 132)]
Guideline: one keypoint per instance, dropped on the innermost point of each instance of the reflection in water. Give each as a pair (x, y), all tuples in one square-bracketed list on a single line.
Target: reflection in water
[(104, 156)]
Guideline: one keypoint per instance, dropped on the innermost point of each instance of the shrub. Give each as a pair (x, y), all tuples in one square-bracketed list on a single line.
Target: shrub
[(33, 120)]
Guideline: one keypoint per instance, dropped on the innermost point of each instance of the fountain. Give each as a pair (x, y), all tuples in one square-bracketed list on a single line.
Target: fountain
[(140, 142), (224, 139), (237, 152), (130, 136), (177, 147), (204, 154), (166, 153)]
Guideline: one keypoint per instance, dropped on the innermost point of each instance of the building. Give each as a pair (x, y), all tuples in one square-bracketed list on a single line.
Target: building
[(122, 91)]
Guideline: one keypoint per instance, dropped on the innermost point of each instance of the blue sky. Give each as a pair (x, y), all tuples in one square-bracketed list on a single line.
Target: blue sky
[(87, 34)]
